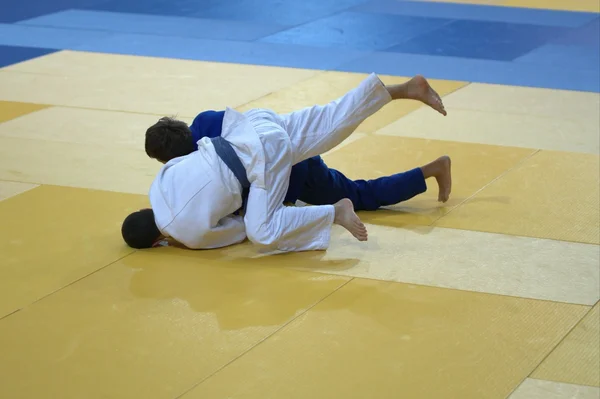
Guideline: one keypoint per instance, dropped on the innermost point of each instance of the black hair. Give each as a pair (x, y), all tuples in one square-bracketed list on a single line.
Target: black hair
[(139, 229), (169, 138)]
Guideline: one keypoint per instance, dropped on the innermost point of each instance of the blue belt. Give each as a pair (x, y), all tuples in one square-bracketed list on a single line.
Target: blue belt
[(230, 158)]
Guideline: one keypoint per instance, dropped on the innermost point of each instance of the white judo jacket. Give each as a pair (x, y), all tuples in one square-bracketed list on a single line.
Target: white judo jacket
[(194, 197)]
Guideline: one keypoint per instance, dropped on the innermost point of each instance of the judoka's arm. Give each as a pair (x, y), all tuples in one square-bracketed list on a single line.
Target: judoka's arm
[(228, 231)]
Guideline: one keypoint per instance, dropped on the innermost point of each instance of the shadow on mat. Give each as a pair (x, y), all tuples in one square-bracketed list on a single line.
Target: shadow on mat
[(422, 212)]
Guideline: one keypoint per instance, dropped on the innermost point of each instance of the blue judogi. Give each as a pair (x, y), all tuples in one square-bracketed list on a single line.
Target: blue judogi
[(312, 182)]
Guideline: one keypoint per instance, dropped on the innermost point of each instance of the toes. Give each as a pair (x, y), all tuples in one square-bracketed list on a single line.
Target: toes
[(443, 196), (361, 237), (360, 234)]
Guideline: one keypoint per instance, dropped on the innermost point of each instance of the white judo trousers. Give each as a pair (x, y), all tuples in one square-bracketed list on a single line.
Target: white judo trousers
[(291, 138)]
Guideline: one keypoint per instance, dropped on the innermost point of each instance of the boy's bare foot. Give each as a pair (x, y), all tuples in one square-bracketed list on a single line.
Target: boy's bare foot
[(444, 178), (441, 169), (418, 88), (347, 218)]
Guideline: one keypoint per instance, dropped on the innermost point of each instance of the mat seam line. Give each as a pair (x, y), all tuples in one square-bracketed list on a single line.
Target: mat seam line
[(552, 351), (263, 340), (68, 285)]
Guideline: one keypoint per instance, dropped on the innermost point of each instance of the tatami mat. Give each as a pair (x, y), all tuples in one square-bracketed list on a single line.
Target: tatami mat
[(376, 339), (77, 165), (148, 326), (540, 389), (468, 260), (496, 128), (52, 236), (376, 156), (10, 188), (10, 110), (511, 116), (571, 105), (551, 195), (140, 84), (577, 359), (458, 300), (328, 86), (579, 5), (93, 128)]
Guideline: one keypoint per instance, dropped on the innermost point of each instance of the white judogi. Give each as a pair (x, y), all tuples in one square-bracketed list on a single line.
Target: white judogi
[(194, 197)]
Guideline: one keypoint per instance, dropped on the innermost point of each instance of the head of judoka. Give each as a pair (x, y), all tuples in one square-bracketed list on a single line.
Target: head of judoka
[(167, 139), (139, 229)]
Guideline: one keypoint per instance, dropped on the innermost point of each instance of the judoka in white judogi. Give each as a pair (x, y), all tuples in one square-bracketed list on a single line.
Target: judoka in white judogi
[(194, 197)]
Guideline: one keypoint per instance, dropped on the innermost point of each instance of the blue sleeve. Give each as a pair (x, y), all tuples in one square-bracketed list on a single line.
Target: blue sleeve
[(207, 124)]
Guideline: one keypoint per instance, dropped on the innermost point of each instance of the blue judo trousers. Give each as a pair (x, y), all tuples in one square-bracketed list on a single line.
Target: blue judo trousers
[(312, 182)]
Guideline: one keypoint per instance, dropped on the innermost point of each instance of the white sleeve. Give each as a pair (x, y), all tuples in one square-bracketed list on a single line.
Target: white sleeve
[(228, 231)]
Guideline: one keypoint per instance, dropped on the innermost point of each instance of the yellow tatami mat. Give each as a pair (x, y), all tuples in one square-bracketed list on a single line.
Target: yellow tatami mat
[(377, 156), (10, 110), (10, 189), (328, 86), (467, 260), (52, 236), (566, 5), (571, 105), (77, 165), (577, 359), (488, 295), (511, 116), (426, 343), (149, 326), (550, 195), (79, 148), (539, 389), (500, 129), (140, 84), (94, 128)]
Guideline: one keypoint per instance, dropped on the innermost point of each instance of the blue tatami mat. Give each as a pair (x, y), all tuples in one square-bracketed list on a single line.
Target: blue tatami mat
[(280, 12), (476, 43), (13, 54), (474, 70), (358, 31), (475, 12), (156, 25), (501, 41)]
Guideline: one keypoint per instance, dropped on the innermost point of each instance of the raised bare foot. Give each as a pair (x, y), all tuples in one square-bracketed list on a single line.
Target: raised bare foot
[(418, 88), (443, 176), (347, 218)]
